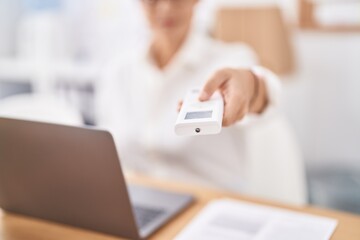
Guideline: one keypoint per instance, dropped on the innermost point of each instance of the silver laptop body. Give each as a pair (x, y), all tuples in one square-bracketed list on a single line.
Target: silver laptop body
[(73, 176)]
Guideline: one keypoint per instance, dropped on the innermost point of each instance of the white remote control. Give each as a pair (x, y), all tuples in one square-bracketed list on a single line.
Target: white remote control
[(200, 118)]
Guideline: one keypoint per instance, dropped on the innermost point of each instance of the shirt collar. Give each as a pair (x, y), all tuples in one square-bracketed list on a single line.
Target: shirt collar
[(189, 56)]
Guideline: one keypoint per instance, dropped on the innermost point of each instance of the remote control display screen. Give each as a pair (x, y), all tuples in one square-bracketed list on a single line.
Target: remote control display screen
[(198, 115)]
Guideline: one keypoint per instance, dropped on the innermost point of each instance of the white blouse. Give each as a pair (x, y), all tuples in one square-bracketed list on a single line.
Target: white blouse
[(137, 102)]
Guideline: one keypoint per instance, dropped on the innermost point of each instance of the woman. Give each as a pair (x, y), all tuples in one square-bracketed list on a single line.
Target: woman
[(138, 95)]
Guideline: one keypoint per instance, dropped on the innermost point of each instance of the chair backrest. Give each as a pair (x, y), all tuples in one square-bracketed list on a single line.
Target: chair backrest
[(263, 29)]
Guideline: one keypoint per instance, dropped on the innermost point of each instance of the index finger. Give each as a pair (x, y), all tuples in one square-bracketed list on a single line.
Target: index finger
[(213, 84)]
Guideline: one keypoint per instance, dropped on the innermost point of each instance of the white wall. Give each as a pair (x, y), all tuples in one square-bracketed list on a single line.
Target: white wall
[(322, 99), (9, 13)]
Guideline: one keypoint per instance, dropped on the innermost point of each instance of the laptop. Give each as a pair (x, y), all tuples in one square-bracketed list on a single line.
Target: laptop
[(73, 176)]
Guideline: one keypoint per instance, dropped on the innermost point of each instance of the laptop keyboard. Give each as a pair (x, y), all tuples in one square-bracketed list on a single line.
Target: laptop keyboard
[(145, 215)]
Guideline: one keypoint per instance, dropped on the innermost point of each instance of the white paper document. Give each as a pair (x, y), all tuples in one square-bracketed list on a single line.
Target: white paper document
[(236, 220)]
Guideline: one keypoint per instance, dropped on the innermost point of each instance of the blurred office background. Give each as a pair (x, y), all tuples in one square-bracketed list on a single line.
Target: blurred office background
[(57, 48)]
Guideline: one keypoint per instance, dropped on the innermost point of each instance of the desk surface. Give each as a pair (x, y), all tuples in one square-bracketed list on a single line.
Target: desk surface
[(14, 227)]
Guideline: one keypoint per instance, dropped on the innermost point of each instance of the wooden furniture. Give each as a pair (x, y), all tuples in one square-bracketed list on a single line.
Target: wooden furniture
[(307, 19), (262, 28), (13, 227)]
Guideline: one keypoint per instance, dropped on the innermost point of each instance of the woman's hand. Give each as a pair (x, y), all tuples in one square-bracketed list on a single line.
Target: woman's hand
[(242, 91)]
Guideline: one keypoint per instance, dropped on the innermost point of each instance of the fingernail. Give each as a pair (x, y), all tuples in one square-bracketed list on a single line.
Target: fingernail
[(204, 96)]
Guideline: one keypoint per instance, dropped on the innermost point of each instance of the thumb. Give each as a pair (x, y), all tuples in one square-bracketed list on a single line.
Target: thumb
[(214, 83)]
